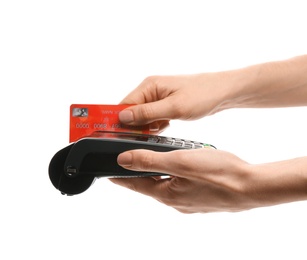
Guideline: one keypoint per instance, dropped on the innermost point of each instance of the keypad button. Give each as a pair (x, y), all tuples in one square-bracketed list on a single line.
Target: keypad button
[(169, 141), (179, 143), (162, 140), (189, 145), (153, 139), (198, 145)]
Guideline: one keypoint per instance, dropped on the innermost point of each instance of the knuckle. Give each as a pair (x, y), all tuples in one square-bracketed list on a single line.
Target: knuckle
[(169, 201), (150, 80), (146, 112), (146, 161), (178, 107), (156, 88), (131, 185), (182, 162), (149, 83), (184, 210), (171, 196)]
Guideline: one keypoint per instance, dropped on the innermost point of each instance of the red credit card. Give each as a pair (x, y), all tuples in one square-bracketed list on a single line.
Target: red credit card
[(85, 120)]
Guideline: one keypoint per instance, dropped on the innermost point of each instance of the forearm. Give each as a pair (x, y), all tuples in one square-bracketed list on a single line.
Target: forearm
[(278, 182), (272, 84)]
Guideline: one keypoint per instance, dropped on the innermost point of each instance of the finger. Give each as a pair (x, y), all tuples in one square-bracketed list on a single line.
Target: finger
[(178, 163), (147, 186), (158, 127), (145, 92), (149, 161), (150, 112)]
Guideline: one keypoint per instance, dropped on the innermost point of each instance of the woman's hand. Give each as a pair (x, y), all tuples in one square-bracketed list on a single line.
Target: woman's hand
[(206, 180), (209, 180), (202, 180), (160, 99)]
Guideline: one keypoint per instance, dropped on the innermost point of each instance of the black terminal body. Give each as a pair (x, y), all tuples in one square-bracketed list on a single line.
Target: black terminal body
[(73, 169)]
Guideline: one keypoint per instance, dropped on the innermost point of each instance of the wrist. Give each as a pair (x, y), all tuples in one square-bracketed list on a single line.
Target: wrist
[(278, 182), (229, 89), (223, 87), (240, 87), (271, 84)]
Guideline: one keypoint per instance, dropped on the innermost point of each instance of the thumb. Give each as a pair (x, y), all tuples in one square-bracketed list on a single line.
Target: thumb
[(147, 113), (144, 160)]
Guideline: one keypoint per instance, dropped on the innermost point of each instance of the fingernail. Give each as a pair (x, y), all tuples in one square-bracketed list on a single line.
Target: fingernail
[(126, 116), (154, 127), (124, 159)]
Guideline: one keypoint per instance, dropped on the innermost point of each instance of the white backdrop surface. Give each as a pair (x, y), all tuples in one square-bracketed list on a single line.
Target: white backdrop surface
[(55, 53)]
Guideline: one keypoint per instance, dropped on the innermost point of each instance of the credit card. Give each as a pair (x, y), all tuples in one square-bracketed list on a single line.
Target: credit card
[(88, 119)]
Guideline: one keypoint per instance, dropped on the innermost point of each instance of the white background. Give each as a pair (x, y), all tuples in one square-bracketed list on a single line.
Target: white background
[(55, 53)]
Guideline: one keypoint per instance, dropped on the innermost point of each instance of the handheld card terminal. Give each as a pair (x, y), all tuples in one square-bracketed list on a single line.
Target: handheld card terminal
[(73, 169)]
